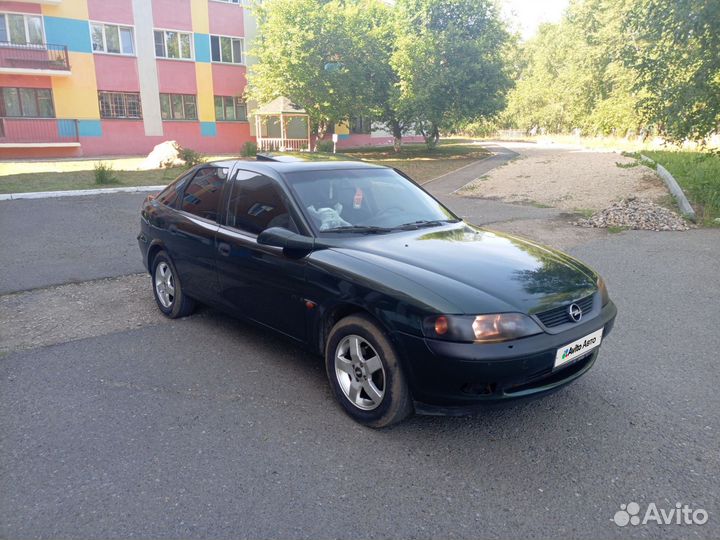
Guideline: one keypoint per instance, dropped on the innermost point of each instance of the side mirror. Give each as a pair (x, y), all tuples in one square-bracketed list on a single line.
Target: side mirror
[(286, 239)]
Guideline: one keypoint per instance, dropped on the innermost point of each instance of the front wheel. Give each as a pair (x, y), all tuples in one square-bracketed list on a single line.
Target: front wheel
[(365, 373), (167, 289)]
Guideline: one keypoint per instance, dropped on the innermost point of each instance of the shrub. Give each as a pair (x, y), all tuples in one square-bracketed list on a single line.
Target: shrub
[(249, 149), (190, 157), (104, 174), (325, 146)]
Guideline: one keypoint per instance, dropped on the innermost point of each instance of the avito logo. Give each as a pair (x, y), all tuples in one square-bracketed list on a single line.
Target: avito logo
[(579, 347), (682, 514)]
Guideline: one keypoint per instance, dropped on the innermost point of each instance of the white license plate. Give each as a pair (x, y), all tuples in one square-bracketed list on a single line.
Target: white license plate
[(578, 348)]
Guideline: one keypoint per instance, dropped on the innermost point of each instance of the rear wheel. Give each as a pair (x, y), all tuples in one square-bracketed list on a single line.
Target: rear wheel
[(167, 289), (365, 373)]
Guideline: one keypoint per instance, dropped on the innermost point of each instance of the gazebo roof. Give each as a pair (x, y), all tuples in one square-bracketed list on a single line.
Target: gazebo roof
[(281, 105)]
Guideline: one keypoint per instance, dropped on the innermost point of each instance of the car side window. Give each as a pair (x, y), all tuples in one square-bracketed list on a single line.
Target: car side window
[(202, 195), (172, 195), (257, 203)]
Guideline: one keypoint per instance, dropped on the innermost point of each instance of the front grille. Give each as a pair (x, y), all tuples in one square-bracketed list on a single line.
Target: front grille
[(559, 315)]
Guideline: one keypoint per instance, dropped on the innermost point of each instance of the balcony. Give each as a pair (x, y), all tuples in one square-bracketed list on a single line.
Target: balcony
[(32, 59), (38, 133)]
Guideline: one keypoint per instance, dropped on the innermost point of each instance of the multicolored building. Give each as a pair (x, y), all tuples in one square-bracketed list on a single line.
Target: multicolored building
[(117, 77), (109, 77)]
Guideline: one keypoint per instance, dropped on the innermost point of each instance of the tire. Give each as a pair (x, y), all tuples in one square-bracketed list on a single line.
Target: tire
[(369, 386), (169, 296)]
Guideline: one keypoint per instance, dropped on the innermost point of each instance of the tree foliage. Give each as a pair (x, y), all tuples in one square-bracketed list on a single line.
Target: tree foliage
[(575, 76), (450, 60), (675, 50), (299, 54), (623, 65), (423, 63)]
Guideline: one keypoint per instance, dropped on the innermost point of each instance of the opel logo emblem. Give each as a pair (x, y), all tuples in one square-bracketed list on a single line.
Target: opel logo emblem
[(575, 312)]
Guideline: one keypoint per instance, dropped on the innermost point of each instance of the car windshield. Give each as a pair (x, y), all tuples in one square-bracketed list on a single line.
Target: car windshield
[(365, 201)]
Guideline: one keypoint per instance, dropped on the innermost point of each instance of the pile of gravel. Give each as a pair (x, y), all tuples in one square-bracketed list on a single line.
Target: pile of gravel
[(633, 213)]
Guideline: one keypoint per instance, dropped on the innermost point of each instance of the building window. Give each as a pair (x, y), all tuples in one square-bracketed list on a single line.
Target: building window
[(111, 38), (171, 44), (230, 108), (27, 102), (225, 49), (178, 107), (21, 29), (239, 2), (120, 105), (360, 124)]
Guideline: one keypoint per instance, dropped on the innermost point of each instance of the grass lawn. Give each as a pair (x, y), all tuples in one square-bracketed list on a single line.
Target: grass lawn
[(698, 173), (68, 180), (415, 160)]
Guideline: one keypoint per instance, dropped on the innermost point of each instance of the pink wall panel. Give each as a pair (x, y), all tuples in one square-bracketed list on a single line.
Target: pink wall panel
[(127, 137), (116, 73), (117, 11), (176, 77), (226, 19), (228, 80), (24, 81), (119, 137), (230, 137), (172, 14), (20, 7)]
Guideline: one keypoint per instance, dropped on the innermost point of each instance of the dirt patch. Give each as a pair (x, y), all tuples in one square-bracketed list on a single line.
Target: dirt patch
[(570, 178), (43, 317)]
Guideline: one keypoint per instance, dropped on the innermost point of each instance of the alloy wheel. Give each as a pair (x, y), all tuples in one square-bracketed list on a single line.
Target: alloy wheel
[(165, 284), (359, 372)]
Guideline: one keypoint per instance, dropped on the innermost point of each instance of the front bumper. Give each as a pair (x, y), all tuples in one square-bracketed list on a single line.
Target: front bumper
[(453, 378)]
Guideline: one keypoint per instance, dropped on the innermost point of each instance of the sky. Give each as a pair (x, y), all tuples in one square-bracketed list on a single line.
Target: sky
[(527, 15)]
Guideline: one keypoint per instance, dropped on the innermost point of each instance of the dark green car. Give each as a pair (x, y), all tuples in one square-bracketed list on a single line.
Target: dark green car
[(412, 309)]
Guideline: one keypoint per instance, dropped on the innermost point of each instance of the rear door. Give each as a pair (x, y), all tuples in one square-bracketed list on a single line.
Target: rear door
[(258, 281), (191, 241)]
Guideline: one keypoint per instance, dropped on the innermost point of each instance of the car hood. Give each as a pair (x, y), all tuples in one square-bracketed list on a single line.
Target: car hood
[(478, 270)]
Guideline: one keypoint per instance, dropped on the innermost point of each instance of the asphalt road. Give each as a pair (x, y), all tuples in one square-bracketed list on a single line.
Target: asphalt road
[(209, 427), (47, 242)]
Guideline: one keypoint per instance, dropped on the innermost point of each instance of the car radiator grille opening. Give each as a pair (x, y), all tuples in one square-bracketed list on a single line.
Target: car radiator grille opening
[(555, 376), (559, 315)]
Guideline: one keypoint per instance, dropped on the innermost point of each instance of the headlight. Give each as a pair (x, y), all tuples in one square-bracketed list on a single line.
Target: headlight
[(604, 296), (481, 328)]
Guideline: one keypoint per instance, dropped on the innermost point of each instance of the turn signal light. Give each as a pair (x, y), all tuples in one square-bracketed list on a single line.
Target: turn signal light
[(441, 325)]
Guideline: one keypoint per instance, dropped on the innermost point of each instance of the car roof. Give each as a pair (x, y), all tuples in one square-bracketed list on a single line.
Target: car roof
[(283, 167)]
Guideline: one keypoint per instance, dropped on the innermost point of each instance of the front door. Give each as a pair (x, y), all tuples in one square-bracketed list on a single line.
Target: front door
[(257, 281)]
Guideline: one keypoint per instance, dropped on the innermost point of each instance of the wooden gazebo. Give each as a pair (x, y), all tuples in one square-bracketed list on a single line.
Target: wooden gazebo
[(280, 125)]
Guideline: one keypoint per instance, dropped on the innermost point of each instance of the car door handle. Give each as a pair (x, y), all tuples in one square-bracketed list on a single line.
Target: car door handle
[(224, 249)]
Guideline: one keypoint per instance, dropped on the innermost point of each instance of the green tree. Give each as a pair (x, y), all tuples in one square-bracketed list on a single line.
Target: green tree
[(371, 25), (574, 74), (674, 46), (450, 58), (301, 53)]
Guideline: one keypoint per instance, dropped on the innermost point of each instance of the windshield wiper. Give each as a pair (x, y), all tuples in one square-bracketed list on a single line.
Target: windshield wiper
[(368, 229), (425, 223)]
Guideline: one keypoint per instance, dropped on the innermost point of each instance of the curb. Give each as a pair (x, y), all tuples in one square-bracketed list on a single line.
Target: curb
[(77, 192), (685, 207)]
